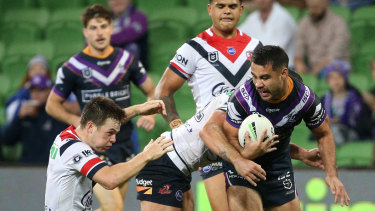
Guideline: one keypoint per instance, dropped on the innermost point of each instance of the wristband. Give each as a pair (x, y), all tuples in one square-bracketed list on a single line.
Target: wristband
[(175, 123)]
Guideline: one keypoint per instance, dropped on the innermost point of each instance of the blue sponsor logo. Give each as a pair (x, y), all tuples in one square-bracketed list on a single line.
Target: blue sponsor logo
[(179, 195), (221, 88), (231, 51), (207, 168)]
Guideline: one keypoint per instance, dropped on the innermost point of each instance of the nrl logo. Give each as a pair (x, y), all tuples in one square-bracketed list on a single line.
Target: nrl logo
[(213, 56)]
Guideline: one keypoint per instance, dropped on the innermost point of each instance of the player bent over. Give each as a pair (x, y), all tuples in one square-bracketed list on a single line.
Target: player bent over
[(162, 183), (74, 168)]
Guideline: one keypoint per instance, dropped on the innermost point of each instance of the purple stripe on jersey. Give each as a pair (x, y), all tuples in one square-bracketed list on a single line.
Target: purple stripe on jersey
[(117, 79), (58, 93), (241, 99), (115, 62), (128, 61), (310, 100), (231, 123), (73, 68), (97, 82), (143, 79), (252, 92)]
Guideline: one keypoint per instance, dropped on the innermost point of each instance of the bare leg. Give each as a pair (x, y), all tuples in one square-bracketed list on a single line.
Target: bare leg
[(217, 195), (151, 206), (242, 198), (110, 200), (290, 206), (188, 201)]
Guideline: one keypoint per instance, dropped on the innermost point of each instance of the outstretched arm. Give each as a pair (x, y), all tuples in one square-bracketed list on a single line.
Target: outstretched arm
[(147, 108), (327, 150), (148, 89)]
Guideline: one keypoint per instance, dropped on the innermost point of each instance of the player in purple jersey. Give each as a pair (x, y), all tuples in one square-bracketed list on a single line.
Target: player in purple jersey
[(102, 70), (285, 101)]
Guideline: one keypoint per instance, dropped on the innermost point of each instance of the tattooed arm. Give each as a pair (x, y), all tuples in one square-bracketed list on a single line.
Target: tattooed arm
[(167, 86), (215, 139)]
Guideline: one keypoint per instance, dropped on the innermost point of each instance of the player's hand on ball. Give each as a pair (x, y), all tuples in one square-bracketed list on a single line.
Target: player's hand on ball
[(155, 149), (254, 149), (152, 107)]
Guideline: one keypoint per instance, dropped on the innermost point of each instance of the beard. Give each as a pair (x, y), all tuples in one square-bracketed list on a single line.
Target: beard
[(318, 18)]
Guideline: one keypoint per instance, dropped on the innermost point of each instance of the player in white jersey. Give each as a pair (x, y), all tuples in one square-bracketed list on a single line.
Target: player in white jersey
[(162, 182), (216, 61), (74, 167)]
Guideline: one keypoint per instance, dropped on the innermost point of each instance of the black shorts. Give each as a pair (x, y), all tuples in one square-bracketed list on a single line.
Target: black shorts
[(121, 151), (278, 189), (161, 182), (211, 170)]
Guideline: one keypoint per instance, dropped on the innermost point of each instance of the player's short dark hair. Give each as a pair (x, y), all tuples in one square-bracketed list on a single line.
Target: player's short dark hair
[(95, 11), (99, 109), (271, 54), (210, 1)]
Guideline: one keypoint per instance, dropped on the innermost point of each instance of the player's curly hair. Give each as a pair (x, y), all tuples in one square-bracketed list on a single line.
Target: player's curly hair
[(99, 109), (95, 11)]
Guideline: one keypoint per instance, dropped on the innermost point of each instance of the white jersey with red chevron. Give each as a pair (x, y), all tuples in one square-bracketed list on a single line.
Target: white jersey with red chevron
[(71, 166), (213, 65)]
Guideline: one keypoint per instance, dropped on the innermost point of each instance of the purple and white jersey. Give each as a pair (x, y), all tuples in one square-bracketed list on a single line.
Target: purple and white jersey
[(301, 103), (89, 77)]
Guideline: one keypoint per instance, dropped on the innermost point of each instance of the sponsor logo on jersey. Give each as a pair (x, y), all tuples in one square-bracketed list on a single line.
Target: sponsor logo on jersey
[(86, 200), (188, 127), (249, 55), (102, 63), (207, 168), (165, 189), (272, 110), (181, 60), (199, 116), (87, 72), (221, 88), (77, 158), (179, 195), (231, 50), (213, 56), (143, 182), (244, 93), (87, 152), (116, 95)]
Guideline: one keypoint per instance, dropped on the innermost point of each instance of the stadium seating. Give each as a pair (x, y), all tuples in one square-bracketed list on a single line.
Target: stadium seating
[(359, 81), (294, 12), (15, 4), (310, 80), (58, 4), (5, 89), (151, 6), (66, 15), (64, 32), (102, 2), (35, 16), (19, 31), (344, 12), (30, 49), (364, 13), (164, 31), (2, 51), (15, 68), (356, 153)]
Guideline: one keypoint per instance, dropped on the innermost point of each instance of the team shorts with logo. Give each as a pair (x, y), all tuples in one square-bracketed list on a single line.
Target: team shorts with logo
[(161, 182), (279, 187), (121, 151), (211, 170)]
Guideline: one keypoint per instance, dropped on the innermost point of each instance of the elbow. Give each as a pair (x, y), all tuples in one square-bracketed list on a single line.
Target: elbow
[(48, 107), (109, 184)]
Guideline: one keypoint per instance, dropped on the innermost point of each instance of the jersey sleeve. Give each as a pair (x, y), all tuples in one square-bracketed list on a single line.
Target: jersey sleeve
[(315, 114), (138, 72), (183, 63), (81, 158), (235, 111), (65, 82)]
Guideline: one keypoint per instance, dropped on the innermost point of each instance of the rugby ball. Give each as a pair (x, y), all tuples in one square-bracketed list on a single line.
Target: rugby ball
[(255, 124)]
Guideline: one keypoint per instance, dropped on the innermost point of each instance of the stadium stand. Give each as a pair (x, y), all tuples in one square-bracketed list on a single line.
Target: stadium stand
[(356, 153), (58, 4), (15, 31)]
